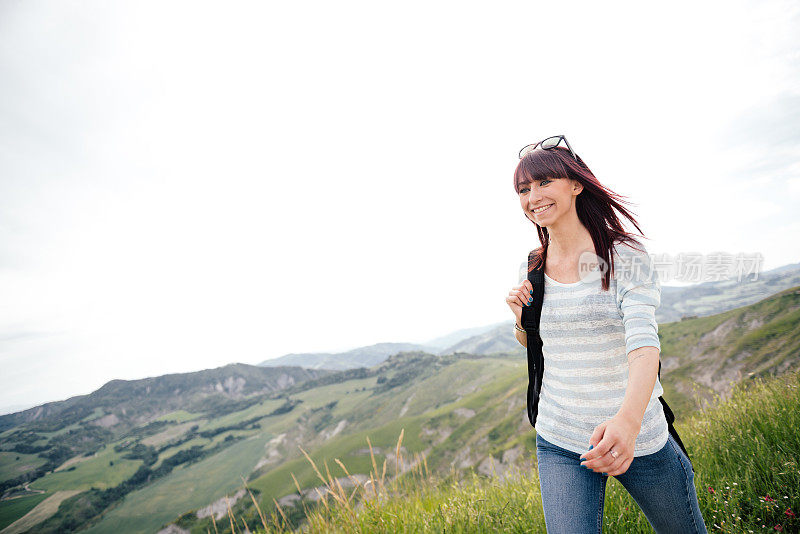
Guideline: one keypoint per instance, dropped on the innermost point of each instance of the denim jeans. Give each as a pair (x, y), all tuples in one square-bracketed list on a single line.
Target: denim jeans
[(662, 484)]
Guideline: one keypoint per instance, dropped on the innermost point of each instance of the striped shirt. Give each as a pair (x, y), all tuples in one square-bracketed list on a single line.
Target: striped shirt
[(587, 334)]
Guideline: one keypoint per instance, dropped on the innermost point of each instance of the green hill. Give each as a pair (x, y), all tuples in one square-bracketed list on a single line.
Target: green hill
[(745, 450), (704, 357)]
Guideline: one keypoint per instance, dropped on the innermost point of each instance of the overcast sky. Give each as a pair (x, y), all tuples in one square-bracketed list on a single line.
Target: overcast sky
[(189, 184)]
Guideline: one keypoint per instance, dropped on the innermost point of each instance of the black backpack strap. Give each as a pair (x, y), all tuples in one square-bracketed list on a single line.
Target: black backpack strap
[(531, 316), (671, 419)]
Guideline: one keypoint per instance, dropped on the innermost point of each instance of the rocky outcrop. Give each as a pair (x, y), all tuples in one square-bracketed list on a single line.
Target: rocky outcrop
[(220, 507)]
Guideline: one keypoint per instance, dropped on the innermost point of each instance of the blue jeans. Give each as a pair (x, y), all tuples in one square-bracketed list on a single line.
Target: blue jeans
[(662, 484)]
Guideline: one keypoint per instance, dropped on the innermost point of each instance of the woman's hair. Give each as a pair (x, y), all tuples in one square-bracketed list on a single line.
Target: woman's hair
[(595, 204)]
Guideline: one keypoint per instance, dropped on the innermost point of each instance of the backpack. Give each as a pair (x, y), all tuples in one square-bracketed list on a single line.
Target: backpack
[(531, 316)]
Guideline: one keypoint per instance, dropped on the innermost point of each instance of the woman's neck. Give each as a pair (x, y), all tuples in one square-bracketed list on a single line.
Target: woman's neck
[(569, 238)]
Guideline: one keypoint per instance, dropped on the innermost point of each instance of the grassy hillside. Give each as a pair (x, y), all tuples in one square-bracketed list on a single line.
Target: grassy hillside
[(237, 440), (469, 415), (745, 450), (13, 509), (144, 511), (418, 392), (129, 434), (704, 357)]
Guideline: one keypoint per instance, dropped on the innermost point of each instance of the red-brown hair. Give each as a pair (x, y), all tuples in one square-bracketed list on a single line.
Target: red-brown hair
[(595, 204)]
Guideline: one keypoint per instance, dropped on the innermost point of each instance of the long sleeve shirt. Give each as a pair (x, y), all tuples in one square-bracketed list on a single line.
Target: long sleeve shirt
[(587, 334)]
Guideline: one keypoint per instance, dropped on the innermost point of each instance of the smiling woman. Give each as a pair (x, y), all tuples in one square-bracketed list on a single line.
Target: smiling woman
[(599, 412)]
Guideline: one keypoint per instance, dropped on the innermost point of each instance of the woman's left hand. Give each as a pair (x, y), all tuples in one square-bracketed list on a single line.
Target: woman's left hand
[(618, 433)]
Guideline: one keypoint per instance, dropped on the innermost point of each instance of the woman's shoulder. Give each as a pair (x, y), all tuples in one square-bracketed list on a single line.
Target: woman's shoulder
[(629, 248), (631, 260)]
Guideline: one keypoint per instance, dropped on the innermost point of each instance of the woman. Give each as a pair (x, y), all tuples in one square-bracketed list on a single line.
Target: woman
[(598, 411)]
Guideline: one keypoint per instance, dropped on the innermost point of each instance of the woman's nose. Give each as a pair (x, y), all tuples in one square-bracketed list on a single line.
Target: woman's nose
[(534, 198)]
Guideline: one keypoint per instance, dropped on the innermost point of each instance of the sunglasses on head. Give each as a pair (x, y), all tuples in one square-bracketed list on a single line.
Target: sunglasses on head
[(546, 144)]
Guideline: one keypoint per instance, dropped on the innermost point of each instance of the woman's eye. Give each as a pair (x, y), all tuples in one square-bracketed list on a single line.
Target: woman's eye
[(523, 190), (543, 181)]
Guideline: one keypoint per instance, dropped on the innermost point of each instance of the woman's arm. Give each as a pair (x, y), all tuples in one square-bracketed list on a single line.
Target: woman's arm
[(642, 373), (620, 431), (638, 296)]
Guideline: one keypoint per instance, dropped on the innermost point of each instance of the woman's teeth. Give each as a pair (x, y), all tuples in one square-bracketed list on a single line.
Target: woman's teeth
[(540, 210)]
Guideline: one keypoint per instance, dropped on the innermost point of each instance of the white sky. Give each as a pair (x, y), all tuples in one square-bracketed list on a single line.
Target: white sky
[(189, 184)]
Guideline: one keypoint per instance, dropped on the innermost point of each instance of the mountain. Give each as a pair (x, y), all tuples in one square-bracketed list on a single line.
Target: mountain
[(13, 408), (138, 401), (374, 354), (500, 338), (709, 298), (359, 357), (452, 339)]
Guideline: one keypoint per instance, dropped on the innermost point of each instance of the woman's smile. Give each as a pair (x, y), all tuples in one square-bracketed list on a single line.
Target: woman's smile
[(544, 200)]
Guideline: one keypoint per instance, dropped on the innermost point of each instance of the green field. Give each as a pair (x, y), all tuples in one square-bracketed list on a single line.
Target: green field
[(179, 416), (60, 431), (13, 464), (260, 409), (170, 434), (187, 488), (13, 509), (95, 471), (219, 438), (345, 393), (182, 447)]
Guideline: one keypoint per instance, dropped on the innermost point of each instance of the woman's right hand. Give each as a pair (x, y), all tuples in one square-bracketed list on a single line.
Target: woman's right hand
[(519, 296)]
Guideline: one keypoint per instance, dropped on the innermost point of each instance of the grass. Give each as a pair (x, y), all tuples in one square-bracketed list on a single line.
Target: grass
[(40, 512), (169, 434), (179, 416), (187, 488), (219, 438), (13, 509), (350, 395), (176, 449), (755, 339), (95, 471), (279, 481), (13, 464), (59, 432), (262, 408), (745, 451)]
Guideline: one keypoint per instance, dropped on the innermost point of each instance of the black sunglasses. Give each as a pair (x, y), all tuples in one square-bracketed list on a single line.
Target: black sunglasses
[(547, 144)]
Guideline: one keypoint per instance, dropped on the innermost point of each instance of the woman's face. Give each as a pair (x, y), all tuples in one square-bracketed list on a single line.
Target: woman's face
[(545, 200)]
